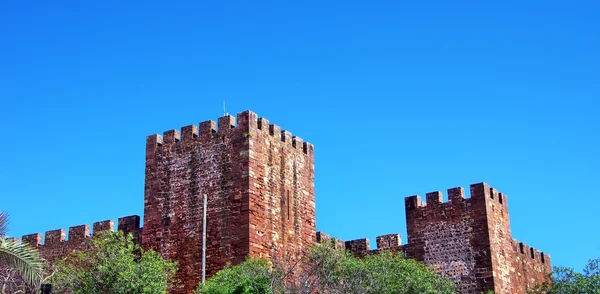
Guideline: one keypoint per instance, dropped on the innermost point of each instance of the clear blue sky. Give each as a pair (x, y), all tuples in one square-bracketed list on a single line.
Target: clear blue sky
[(398, 99)]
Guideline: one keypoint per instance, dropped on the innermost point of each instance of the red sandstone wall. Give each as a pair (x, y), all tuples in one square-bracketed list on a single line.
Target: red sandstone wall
[(57, 245), (259, 183), (451, 237), (530, 266), (282, 199), (500, 239)]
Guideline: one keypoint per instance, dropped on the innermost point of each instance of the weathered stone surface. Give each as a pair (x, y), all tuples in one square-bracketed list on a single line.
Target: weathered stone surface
[(259, 184), (388, 241), (56, 245)]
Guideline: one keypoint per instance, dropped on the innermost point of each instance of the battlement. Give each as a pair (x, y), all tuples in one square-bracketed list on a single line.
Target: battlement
[(479, 193), (247, 123), (388, 241), (530, 253), (358, 247), (79, 234), (323, 238)]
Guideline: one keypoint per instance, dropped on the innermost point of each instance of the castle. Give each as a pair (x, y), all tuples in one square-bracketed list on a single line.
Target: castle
[(259, 182)]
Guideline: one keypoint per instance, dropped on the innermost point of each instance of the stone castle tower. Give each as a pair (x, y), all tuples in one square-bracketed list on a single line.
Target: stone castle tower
[(259, 181), (467, 240)]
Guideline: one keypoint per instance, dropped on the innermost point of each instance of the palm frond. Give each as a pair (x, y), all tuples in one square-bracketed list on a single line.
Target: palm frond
[(3, 224), (23, 258)]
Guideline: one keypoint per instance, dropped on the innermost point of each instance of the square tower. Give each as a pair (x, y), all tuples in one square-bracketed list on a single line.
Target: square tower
[(259, 181), (469, 241)]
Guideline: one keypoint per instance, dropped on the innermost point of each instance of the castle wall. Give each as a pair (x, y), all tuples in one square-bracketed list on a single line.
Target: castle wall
[(56, 245), (530, 266), (282, 199), (259, 184)]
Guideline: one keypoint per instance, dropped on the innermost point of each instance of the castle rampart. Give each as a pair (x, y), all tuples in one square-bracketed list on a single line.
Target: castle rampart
[(56, 245)]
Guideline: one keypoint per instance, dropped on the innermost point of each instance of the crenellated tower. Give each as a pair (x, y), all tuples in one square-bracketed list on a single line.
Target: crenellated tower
[(259, 183), (467, 240)]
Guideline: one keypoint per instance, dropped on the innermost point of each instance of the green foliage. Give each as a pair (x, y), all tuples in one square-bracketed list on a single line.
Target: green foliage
[(24, 259), (566, 280), (326, 270), (113, 264), (250, 276)]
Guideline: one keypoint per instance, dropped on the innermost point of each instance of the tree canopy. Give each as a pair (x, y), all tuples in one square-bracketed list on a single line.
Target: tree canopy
[(566, 280), (113, 263), (327, 270)]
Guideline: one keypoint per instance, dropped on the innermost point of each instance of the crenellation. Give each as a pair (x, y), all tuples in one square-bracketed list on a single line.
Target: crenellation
[(189, 132), (529, 252), (128, 224), (434, 198), (247, 120), (456, 195), (225, 124), (131, 225), (358, 247), (34, 240), (154, 141), (493, 193), (389, 241), (171, 136), (56, 245), (79, 233), (263, 124), (286, 137), (480, 192), (308, 148), (274, 130), (55, 237), (207, 129), (413, 202), (297, 142), (323, 238), (106, 225)]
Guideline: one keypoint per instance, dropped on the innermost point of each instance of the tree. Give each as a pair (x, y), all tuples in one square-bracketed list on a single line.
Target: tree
[(251, 276), (327, 270), (19, 259), (113, 263), (566, 280)]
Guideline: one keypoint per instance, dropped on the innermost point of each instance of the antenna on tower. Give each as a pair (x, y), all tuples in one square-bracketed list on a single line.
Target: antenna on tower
[(224, 110)]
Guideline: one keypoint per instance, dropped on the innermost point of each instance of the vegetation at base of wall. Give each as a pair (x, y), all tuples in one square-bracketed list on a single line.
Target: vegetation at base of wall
[(327, 270), (113, 263), (566, 280)]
